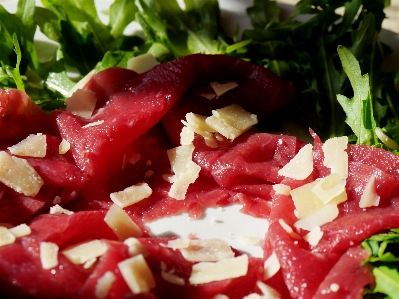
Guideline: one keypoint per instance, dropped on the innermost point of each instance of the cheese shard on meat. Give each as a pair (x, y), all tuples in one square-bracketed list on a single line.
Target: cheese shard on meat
[(335, 155), (48, 255), (142, 63), (207, 250), (57, 209), (331, 188), (186, 136), (137, 274), (314, 236), (6, 237), (231, 121), (267, 291), (20, 230), (369, 197), (272, 266), (31, 146), (301, 166), (104, 284), (282, 189), (83, 252), (19, 175), (221, 88), (131, 195), (81, 103), (122, 225), (185, 170), (205, 272), (196, 123), (305, 201), (64, 147), (135, 247), (178, 244), (322, 216)]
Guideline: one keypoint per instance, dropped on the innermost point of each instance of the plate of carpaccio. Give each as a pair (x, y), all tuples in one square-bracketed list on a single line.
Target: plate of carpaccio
[(156, 183)]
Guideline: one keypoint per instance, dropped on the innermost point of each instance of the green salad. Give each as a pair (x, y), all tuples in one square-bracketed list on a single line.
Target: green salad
[(330, 49)]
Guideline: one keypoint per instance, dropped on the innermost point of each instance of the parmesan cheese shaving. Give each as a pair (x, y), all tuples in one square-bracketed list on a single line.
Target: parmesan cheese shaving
[(20, 230), (174, 279), (121, 224), (93, 124), (57, 209), (31, 146), (19, 175), (314, 236), (322, 216), (335, 155), (369, 197), (135, 247), (142, 63), (205, 272), (131, 195), (268, 292), (305, 201), (83, 252), (300, 166), (48, 255), (221, 88), (6, 237), (137, 274), (288, 229), (282, 189), (64, 147), (81, 103), (207, 250), (272, 266), (104, 284), (178, 244), (330, 188)]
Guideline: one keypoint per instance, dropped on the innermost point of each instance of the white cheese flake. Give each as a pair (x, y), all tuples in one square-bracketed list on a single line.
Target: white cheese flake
[(177, 244), (322, 216), (335, 155), (131, 195), (205, 272), (250, 240), (221, 88), (314, 236), (137, 274), (282, 189), (331, 188), (288, 229), (21, 230), (122, 225), (186, 136), (83, 252), (135, 247), (207, 250), (271, 266), (6, 237), (64, 147), (142, 63), (185, 170), (57, 209), (300, 166), (267, 291), (93, 124), (82, 103), (369, 196), (172, 278), (104, 284), (19, 175), (305, 201), (31, 146), (48, 255)]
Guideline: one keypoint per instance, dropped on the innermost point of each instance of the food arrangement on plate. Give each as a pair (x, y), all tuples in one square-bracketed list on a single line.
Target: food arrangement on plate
[(293, 120)]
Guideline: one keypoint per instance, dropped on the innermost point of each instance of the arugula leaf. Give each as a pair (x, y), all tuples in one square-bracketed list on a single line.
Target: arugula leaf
[(387, 281), (14, 73), (359, 110)]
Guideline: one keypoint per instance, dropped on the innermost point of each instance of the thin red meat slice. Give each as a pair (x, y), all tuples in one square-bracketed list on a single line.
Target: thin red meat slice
[(347, 279), (139, 106), (303, 271)]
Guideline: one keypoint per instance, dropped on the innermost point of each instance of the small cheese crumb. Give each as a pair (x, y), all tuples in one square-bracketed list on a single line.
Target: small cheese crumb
[(64, 147), (104, 284), (205, 272), (81, 103), (288, 229), (122, 225), (48, 255), (57, 209), (221, 88), (19, 175), (31, 146), (20, 230), (301, 166), (314, 236), (83, 252), (6, 237), (282, 189), (131, 195), (137, 274), (322, 216), (90, 263), (334, 287), (93, 124), (335, 155), (142, 63), (272, 266), (369, 197)]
